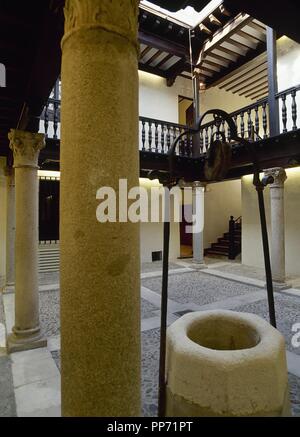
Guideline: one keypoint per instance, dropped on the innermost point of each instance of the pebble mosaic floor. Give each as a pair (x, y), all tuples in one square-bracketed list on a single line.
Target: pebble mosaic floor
[(185, 288)]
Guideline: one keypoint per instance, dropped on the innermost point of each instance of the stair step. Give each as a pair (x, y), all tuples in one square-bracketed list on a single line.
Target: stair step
[(215, 252), (220, 247)]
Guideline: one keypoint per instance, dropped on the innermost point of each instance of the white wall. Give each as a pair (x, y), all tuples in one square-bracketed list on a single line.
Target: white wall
[(252, 253), (157, 100), (222, 200), (2, 221), (152, 233), (215, 98), (288, 69)]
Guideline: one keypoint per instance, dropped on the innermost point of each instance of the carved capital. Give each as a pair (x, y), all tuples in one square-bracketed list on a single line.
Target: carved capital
[(279, 175), (26, 147), (198, 184), (117, 16)]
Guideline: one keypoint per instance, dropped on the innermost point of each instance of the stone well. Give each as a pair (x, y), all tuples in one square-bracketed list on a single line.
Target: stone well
[(223, 363)]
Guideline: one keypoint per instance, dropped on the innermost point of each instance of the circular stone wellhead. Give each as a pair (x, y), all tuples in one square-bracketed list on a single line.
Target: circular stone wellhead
[(224, 363)]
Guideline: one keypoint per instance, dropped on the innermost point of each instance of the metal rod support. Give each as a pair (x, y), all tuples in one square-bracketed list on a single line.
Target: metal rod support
[(265, 241), (163, 323)]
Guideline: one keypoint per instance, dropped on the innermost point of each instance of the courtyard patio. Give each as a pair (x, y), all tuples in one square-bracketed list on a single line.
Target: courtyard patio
[(31, 380)]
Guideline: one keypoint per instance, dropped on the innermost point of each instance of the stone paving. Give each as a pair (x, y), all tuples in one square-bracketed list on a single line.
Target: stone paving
[(188, 291), (7, 396)]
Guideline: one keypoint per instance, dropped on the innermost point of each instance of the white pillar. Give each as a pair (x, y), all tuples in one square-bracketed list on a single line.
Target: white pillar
[(10, 226), (277, 224), (26, 332), (198, 210)]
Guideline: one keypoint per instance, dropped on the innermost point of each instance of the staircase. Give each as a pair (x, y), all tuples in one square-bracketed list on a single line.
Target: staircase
[(230, 245), (48, 258)]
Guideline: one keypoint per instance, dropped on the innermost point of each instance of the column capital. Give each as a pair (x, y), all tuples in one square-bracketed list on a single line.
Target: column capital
[(26, 147), (279, 175), (198, 184), (119, 17)]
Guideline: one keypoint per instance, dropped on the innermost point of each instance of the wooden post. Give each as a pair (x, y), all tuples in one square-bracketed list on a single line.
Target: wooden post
[(273, 82)]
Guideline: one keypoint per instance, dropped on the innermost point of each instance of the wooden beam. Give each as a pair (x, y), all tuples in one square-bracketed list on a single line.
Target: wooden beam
[(245, 82), (243, 42), (220, 57), (213, 64), (152, 70), (265, 87), (163, 44), (248, 74), (237, 52), (174, 71), (226, 32), (255, 35), (257, 85), (145, 51), (164, 60), (155, 56)]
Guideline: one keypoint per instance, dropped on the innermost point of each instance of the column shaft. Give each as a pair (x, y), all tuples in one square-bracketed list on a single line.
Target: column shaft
[(277, 224), (26, 332), (100, 262), (198, 209), (10, 227)]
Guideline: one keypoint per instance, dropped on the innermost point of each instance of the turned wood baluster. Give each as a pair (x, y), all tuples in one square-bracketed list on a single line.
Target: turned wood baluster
[(242, 125), (235, 119), (284, 113), (223, 128), (143, 136), (201, 141), (249, 124), (256, 123), (228, 134), (206, 139), (46, 119), (162, 138), (168, 137), (55, 119), (191, 145), (150, 136), (265, 120), (174, 136), (156, 137), (294, 110)]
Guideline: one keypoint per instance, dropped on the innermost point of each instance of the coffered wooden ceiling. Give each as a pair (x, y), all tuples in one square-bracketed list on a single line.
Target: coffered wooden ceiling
[(228, 41)]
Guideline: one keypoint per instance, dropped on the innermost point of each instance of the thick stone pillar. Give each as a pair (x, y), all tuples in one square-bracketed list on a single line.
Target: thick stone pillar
[(26, 332), (10, 226), (277, 224), (100, 262), (198, 209)]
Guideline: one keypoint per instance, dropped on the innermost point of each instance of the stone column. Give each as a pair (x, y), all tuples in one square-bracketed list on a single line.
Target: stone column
[(26, 332), (100, 262), (198, 209), (10, 226), (277, 224)]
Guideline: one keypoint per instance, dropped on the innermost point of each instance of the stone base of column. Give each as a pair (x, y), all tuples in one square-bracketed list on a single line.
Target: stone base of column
[(9, 288), (19, 341), (199, 265), (281, 285), (278, 286)]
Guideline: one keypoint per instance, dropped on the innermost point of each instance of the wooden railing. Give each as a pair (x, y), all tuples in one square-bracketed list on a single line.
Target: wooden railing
[(156, 136)]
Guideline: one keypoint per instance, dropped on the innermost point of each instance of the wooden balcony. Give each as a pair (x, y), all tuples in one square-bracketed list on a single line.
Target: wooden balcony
[(157, 136)]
